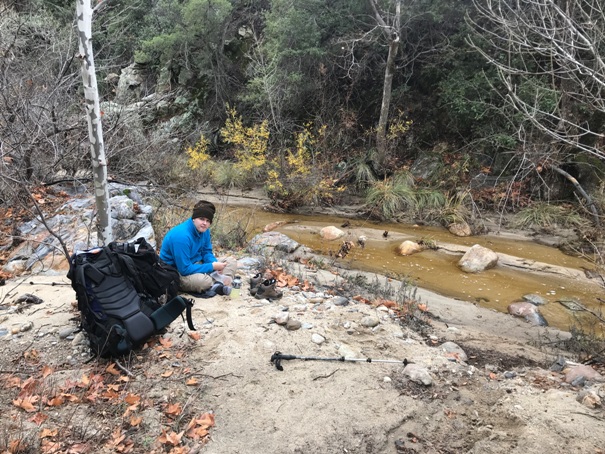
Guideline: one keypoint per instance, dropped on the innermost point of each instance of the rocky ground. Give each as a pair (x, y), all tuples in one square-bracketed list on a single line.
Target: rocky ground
[(477, 381), (458, 378)]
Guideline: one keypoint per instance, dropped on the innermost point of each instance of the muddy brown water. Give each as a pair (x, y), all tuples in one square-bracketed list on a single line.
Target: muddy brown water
[(437, 271)]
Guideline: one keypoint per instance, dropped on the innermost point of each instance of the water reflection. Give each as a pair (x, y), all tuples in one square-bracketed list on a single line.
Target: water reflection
[(437, 270)]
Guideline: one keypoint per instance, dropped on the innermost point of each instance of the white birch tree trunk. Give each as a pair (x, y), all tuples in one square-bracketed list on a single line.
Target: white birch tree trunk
[(95, 128)]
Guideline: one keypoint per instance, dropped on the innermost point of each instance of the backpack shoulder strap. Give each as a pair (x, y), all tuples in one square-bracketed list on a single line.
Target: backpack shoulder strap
[(171, 310)]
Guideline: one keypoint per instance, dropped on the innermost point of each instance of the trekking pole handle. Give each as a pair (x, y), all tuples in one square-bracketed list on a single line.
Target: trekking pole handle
[(277, 357)]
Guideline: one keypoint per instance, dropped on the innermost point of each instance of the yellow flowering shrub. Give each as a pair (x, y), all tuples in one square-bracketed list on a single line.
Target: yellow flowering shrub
[(250, 143), (198, 154)]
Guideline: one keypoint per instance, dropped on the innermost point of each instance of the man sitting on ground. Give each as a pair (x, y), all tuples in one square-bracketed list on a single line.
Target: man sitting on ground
[(188, 247)]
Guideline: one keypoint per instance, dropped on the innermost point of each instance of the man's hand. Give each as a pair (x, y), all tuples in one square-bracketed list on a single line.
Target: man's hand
[(218, 266)]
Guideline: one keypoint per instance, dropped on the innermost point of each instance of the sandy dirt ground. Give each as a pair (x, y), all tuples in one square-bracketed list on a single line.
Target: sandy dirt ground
[(216, 390)]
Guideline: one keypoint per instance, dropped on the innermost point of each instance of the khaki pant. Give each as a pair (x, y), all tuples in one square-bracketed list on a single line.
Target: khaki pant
[(201, 281)]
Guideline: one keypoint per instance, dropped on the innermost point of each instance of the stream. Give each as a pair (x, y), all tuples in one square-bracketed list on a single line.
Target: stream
[(437, 270)]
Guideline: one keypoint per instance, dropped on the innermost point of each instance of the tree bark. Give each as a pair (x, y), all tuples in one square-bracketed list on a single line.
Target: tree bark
[(392, 32), (95, 127), (580, 189)]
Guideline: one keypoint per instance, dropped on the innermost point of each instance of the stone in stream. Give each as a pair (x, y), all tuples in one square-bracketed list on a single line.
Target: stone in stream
[(571, 304), (536, 300), (477, 259), (528, 311)]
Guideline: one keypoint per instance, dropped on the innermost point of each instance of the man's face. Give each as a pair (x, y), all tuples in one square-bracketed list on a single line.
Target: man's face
[(201, 224)]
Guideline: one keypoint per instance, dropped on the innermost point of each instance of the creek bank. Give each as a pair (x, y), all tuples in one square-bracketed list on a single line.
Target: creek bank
[(502, 399), (475, 383)]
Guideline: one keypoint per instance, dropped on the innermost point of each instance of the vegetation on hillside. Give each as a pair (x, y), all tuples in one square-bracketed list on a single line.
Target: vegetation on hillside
[(292, 96)]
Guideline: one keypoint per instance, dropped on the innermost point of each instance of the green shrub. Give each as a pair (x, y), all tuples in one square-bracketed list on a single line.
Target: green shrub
[(546, 215)]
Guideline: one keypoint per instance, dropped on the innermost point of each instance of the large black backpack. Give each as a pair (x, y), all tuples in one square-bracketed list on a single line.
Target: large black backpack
[(116, 315), (148, 273)]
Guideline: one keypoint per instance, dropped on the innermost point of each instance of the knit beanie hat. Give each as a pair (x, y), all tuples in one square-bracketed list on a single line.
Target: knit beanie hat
[(203, 209)]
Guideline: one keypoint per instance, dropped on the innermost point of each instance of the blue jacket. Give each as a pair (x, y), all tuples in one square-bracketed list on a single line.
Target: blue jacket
[(187, 249)]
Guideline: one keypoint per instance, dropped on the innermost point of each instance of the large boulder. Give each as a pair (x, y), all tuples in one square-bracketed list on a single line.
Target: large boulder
[(477, 259), (42, 252), (130, 87), (272, 240)]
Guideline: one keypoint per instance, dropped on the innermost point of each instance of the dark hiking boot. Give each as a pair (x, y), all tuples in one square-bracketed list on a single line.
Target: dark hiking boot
[(255, 281), (267, 290)]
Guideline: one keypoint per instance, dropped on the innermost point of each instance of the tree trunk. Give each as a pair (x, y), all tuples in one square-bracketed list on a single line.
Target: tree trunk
[(95, 128), (381, 132), (580, 189), (392, 33)]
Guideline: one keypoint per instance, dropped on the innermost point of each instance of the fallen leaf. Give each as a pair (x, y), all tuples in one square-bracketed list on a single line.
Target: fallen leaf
[(56, 401), (46, 371), (50, 447), (79, 448), (132, 399), (135, 421), (194, 335), (168, 373), (167, 343), (39, 418), (26, 403), (48, 433), (173, 409), (16, 446), (112, 369), (13, 382), (192, 382), (206, 420), (171, 438), (30, 385)]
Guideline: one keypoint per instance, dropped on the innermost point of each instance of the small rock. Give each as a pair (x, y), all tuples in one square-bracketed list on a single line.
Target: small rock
[(408, 248), (369, 321), (589, 398), (331, 233), (460, 229), (293, 325), (68, 331), (339, 301), (346, 351), (26, 327), (282, 318), (307, 325), (79, 339), (453, 349), (582, 370), (387, 379), (418, 374), (317, 339), (536, 300)]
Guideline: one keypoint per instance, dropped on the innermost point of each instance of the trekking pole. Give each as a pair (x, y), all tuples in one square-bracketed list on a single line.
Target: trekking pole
[(278, 357)]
